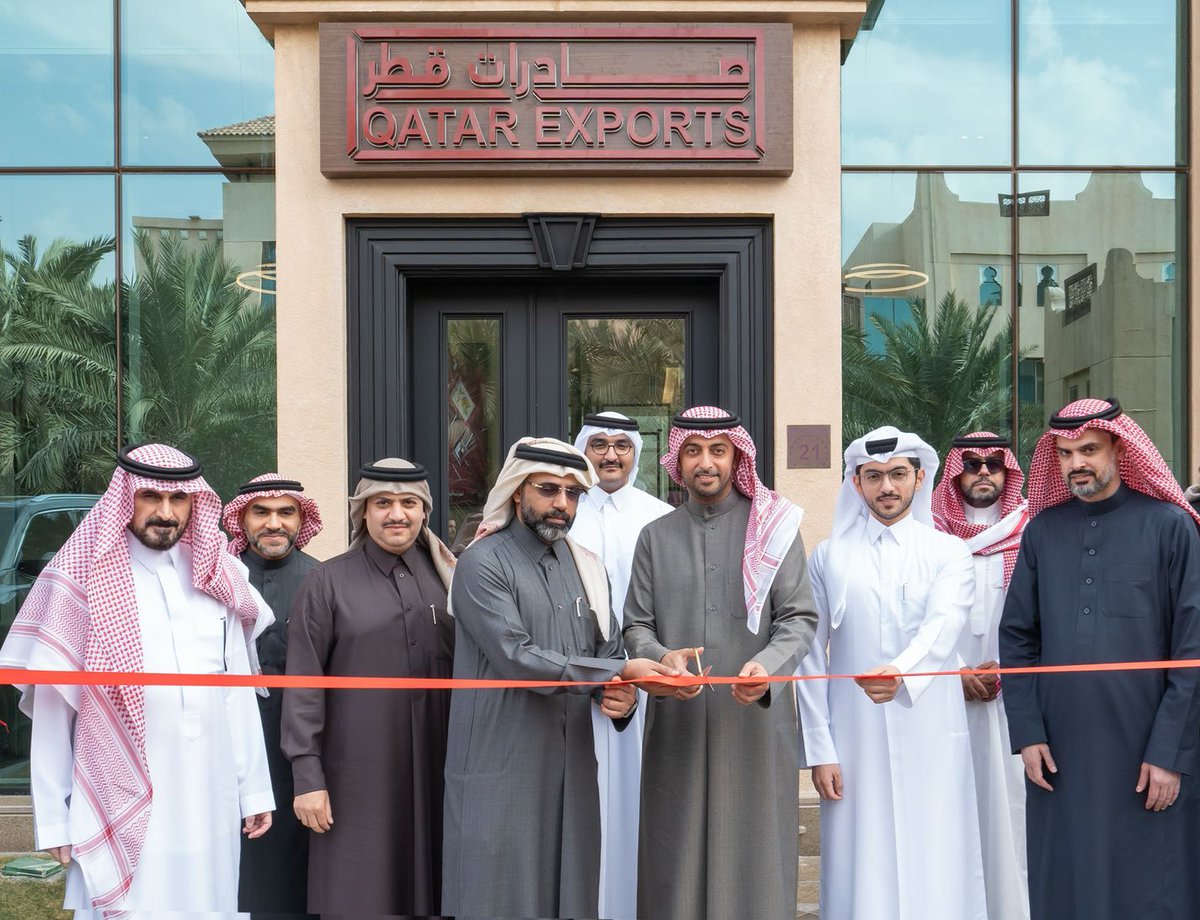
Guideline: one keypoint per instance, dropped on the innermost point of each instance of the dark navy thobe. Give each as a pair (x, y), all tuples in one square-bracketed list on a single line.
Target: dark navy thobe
[(274, 868), (1107, 581)]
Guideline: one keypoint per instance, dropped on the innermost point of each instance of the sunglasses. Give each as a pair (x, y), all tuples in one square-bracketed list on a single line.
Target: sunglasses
[(550, 490), (974, 464)]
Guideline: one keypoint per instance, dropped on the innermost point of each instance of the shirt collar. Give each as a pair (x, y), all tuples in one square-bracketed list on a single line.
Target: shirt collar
[(152, 558), (618, 499), (533, 545), (898, 533), (384, 561)]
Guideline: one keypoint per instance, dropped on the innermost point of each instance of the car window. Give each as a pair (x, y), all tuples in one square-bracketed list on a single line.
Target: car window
[(44, 535)]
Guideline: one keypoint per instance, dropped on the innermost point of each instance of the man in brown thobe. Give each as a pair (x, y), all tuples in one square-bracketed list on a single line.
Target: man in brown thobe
[(368, 764)]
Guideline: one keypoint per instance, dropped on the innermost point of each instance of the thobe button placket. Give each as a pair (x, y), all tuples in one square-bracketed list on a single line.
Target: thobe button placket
[(1087, 610)]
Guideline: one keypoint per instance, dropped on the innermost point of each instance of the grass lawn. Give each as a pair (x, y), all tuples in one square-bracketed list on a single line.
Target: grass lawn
[(29, 899)]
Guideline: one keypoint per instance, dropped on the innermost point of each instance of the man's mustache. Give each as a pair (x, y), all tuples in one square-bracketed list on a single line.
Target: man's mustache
[(161, 522)]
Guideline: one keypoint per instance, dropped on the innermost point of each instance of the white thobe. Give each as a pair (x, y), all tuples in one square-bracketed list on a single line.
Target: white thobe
[(903, 842), (609, 524), (204, 748), (999, 774)]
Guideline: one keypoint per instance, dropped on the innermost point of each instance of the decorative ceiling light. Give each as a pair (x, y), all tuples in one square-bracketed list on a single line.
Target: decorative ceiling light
[(254, 279), (885, 271)]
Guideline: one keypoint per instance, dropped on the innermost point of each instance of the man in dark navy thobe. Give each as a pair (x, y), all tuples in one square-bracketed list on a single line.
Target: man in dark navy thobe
[(1109, 571)]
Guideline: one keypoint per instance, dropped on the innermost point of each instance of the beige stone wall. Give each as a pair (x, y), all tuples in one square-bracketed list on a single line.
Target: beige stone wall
[(805, 208)]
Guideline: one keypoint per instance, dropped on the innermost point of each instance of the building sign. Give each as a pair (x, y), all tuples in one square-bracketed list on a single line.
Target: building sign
[(600, 99), (1080, 288)]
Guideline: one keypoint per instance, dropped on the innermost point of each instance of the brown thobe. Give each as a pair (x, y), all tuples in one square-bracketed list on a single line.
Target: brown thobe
[(720, 804), (379, 753)]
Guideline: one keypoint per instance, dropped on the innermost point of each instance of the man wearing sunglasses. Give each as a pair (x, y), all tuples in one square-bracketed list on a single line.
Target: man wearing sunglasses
[(611, 516), (522, 809), (979, 500)]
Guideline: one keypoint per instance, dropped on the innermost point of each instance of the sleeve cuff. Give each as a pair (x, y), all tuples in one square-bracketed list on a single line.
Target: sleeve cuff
[(308, 774), (817, 744), (256, 803), (51, 835)]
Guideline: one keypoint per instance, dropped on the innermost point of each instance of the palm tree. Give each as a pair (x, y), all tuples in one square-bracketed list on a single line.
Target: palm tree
[(939, 375), (198, 365), (57, 367)]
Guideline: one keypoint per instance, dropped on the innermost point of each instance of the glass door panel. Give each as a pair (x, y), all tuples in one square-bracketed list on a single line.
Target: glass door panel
[(633, 365), (473, 449)]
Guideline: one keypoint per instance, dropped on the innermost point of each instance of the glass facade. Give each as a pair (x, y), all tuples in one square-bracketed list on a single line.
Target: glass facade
[(137, 275), (988, 279)]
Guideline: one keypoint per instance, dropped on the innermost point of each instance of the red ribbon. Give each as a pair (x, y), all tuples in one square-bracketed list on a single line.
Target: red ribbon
[(152, 679)]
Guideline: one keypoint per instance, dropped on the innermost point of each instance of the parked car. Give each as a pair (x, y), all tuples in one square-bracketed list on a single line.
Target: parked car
[(32, 529)]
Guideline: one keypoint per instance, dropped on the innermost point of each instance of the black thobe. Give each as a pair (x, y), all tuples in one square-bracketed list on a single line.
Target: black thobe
[(379, 753), (274, 869), (522, 804), (1113, 580)]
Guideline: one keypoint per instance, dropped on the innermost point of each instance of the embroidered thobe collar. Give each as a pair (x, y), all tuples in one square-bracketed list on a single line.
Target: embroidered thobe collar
[(724, 506), (1105, 505)]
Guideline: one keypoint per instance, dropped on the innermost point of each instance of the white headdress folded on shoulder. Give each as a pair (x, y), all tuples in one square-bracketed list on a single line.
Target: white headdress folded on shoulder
[(851, 513)]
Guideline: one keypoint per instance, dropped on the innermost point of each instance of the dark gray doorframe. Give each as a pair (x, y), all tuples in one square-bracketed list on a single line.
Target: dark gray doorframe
[(383, 256)]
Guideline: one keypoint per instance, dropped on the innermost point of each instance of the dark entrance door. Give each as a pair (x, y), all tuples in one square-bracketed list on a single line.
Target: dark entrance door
[(498, 358)]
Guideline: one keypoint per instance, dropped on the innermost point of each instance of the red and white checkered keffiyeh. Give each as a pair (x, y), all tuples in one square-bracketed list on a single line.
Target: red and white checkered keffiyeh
[(310, 515), (983, 539), (1143, 468), (774, 521), (82, 615)]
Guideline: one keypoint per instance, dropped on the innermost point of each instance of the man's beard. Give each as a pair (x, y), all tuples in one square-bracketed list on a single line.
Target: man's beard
[(972, 498), (1099, 482), (707, 491), (159, 540), (547, 532), (269, 553), (895, 513)]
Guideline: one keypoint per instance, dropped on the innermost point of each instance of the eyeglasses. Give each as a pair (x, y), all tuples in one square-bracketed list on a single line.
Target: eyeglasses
[(975, 464), (550, 491), (900, 475), (601, 447)]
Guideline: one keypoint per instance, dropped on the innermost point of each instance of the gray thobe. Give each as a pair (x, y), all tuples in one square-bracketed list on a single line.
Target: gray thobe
[(522, 807), (274, 870), (720, 804), (379, 753), (1113, 580)]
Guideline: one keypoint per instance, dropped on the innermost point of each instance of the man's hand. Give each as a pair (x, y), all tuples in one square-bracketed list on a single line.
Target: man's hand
[(313, 811), (646, 669), (1033, 755), (981, 688), (884, 687), (1163, 784), (62, 854), (678, 660), (750, 693), (257, 825), (618, 700), (827, 778)]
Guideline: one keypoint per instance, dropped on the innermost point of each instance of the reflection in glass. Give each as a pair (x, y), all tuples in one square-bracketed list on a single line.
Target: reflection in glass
[(1099, 82), (59, 53), (1111, 326), (199, 336), (929, 82), (473, 431), (634, 366), (927, 340), (194, 67)]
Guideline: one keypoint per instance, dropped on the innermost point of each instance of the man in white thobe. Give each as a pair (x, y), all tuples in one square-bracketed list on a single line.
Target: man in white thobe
[(611, 516), (889, 753), (979, 500), (143, 791)]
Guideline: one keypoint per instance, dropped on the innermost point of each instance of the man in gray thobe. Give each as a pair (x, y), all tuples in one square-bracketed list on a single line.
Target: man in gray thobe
[(368, 764), (522, 809), (269, 523), (723, 576)]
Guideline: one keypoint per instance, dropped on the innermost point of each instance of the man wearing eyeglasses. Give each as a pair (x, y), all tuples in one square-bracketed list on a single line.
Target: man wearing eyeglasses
[(979, 500), (611, 516), (522, 809), (891, 756)]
